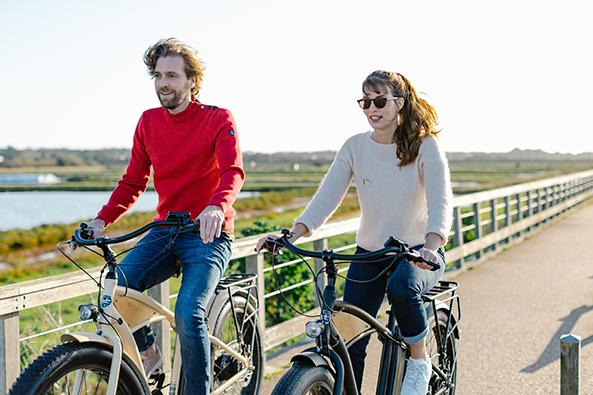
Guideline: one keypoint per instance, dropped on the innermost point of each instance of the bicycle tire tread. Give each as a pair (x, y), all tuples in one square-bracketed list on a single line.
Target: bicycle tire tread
[(44, 363), (291, 379), (53, 358)]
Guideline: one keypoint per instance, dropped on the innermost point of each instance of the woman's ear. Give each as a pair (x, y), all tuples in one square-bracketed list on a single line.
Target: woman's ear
[(400, 102)]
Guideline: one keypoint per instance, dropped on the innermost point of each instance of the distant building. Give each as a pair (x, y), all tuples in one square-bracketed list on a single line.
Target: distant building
[(29, 178)]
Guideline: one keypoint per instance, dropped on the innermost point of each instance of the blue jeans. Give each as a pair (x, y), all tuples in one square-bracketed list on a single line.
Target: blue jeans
[(154, 261), (405, 284)]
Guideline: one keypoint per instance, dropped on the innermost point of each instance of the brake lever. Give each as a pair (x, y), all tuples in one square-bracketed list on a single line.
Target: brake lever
[(416, 257), (273, 246)]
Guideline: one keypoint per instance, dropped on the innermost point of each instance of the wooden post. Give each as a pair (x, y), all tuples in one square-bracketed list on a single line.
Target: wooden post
[(493, 215), (570, 373), (529, 207), (477, 226), (162, 329), (255, 264), (541, 203), (319, 245), (519, 213), (457, 231), (508, 216), (9, 350), (562, 189)]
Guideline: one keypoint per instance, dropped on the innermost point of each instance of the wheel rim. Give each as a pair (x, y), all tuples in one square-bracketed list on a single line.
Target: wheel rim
[(445, 362), (92, 382), (224, 365), (318, 389)]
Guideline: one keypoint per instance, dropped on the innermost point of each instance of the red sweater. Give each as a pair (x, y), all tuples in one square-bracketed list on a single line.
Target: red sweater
[(195, 158)]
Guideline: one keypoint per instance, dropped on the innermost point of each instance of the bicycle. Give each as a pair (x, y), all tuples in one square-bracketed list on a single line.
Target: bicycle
[(108, 361), (326, 368)]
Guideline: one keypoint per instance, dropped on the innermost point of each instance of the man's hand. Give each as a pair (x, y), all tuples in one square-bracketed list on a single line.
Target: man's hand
[(97, 226), (210, 220)]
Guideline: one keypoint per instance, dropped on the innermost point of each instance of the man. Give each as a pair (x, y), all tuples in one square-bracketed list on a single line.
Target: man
[(194, 153)]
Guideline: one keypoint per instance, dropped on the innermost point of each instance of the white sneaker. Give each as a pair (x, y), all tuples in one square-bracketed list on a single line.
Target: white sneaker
[(417, 377)]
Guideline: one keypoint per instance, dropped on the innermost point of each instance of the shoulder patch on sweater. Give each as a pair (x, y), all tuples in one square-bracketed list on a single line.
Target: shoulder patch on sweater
[(208, 107)]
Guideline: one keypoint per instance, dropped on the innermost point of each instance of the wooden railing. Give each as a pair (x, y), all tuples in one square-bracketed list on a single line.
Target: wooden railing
[(483, 222)]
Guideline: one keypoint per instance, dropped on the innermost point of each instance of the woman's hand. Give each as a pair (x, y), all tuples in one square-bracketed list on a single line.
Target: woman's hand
[(297, 231), (428, 255), (429, 250), (266, 242)]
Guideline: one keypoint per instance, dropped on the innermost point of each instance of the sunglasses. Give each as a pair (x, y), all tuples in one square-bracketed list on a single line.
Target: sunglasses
[(379, 102)]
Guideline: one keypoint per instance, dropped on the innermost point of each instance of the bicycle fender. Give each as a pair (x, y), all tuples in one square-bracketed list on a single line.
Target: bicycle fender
[(311, 356), (91, 337), (85, 337), (445, 308)]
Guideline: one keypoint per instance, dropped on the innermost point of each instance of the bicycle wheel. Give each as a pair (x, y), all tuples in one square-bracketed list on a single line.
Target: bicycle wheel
[(235, 325), (445, 357), (55, 372), (305, 379)]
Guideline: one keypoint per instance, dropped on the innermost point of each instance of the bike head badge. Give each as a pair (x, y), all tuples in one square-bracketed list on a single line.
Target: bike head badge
[(106, 301)]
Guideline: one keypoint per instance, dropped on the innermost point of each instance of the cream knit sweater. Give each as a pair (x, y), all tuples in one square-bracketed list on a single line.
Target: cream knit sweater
[(406, 202)]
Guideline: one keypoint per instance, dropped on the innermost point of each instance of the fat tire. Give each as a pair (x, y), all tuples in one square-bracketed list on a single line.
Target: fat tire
[(302, 378), (68, 357), (451, 350)]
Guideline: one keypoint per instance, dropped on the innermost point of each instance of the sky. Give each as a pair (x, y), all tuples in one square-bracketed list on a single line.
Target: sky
[(502, 74)]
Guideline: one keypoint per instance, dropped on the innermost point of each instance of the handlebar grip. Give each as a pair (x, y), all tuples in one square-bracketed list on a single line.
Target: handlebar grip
[(83, 237), (272, 246), (414, 256), (85, 231), (433, 265)]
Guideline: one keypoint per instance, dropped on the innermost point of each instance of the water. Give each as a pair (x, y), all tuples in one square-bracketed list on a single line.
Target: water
[(28, 209)]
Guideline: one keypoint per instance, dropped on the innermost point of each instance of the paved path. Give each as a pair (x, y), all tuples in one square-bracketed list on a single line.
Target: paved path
[(515, 307)]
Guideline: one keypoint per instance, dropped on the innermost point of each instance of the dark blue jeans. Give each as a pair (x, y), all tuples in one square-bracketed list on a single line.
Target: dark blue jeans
[(154, 261), (405, 284)]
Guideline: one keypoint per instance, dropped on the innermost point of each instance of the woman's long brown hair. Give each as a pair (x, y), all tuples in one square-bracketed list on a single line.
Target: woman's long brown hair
[(418, 117)]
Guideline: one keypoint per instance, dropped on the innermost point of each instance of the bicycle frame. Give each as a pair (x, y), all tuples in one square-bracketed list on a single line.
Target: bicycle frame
[(337, 331), (124, 310), (129, 310), (340, 332)]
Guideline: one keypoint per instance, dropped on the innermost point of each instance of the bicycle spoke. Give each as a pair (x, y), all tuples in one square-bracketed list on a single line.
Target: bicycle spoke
[(97, 387)]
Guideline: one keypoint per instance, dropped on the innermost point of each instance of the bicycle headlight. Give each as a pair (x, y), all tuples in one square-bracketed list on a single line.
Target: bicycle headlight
[(313, 329), (88, 311)]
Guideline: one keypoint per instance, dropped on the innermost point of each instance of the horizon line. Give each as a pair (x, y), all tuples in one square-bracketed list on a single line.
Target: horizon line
[(302, 152)]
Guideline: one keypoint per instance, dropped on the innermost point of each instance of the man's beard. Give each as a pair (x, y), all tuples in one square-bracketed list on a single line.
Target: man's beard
[(171, 103)]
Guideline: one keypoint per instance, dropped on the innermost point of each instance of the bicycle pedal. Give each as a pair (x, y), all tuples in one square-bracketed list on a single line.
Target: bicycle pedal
[(157, 378)]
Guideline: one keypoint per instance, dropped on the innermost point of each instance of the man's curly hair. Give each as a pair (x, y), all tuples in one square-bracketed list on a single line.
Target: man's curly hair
[(194, 68)]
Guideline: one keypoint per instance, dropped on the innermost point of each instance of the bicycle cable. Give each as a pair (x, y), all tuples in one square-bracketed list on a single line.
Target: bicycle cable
[(319, 293), (76, 263), (381, 273), (282, 292)]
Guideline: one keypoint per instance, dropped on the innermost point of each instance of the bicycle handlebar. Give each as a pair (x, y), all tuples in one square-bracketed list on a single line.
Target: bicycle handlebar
[(391, 246), (183, 222)]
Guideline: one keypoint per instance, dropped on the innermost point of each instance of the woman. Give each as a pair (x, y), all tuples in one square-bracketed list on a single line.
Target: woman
[(402, 180)]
